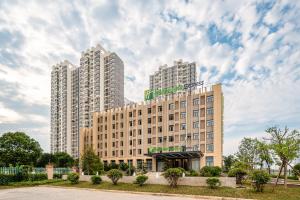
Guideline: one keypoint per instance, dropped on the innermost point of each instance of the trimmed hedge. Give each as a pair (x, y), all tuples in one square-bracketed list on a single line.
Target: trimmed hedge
[(37, 177), (210, 171), (96, 179), (73, 178), (213, 182)]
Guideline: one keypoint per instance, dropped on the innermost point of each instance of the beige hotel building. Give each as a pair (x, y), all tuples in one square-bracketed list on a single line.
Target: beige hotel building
[(184, 129)]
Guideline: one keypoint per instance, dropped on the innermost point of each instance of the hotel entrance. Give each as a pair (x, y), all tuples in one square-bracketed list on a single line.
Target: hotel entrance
[(185, 160)]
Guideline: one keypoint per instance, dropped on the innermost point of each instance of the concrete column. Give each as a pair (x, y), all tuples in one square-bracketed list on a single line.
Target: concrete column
[(154, 165), (50, 171)]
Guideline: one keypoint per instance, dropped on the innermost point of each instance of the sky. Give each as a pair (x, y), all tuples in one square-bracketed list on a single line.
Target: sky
[(251, 47)]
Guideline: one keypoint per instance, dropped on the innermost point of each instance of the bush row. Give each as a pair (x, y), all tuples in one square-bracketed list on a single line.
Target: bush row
[(10, 178)]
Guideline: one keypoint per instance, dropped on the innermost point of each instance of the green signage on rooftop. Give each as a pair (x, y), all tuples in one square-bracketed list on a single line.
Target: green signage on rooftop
[(151, 94)]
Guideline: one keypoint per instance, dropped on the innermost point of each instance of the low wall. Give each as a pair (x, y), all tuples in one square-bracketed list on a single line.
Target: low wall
[(156, 178)]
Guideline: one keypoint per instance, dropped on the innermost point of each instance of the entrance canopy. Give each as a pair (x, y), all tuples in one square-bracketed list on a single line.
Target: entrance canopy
[(177, 155)]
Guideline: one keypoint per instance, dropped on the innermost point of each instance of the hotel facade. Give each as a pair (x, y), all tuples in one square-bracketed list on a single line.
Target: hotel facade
[(183, 129)]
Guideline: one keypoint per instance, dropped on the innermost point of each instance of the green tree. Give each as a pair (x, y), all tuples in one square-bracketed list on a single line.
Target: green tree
[(45, 159), (228, 162), (18, 149), (90, 162), (286, 146), (264, 155), (247, 152), (62, 159)]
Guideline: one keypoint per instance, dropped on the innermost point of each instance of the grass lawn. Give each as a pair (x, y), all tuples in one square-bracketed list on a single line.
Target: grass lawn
[(268, 194)]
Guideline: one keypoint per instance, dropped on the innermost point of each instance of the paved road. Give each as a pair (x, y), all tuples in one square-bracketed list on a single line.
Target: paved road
[(49, 193)]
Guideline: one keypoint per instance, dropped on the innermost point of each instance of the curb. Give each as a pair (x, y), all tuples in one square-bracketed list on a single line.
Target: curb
[(150, 193)]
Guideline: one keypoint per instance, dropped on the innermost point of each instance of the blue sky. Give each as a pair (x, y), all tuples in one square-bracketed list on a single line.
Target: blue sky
[(252, 47)]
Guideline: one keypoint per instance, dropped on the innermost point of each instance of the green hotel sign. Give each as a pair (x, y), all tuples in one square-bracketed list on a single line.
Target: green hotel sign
[(151, 94), (152, 150)]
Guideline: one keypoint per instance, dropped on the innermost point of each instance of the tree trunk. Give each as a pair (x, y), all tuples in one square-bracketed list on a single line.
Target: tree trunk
[(285, 175), (280, 170)]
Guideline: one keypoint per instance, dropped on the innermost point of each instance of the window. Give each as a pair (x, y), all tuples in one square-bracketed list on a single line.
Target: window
[(139, 141), (139, 151), (182, 115), (209, 147), (183, 126), (121, 152), (113, 135), (159, 108), (183, 104), (210, 136), (121, 143), (130, 114), (195, 124), (160, 139), (209, 161), (140, 112), (149, 130), (114, 117), (159, 118), (149, 110), (160, 129), (130, 142), (121, 115), (140, 131), (113, 126), (196, 136), (149, 120), (121, 134), (210, 99), (149, 140), (139, 122), (171, 117), (130, 133), (130, 152), (171, 138), (210, 111), (171, 127), (195, 113), (171, 106), (196, 147), (130, 123), (210, 122), (196, 101)]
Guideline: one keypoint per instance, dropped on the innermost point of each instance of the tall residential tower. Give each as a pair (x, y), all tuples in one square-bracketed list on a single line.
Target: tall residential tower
[(179, 73), (76, 93)]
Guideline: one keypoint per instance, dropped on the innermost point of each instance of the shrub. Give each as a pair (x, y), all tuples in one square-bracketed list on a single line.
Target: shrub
[(114, 175), (7, 178), (213, 183), (239, 173), (57, 176), (37, 177), (130, 170), (296, 170), (141, 179), (73, 178), (209, 171), (96, 179), (192, 173), (113, 166), (259, 178), (123, 166), (172, 175)]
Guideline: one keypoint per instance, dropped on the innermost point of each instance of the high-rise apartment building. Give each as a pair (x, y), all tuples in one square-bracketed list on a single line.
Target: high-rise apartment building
[(185, 129), (61, 104), (179, 73), (101, 83), (76, 93)]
